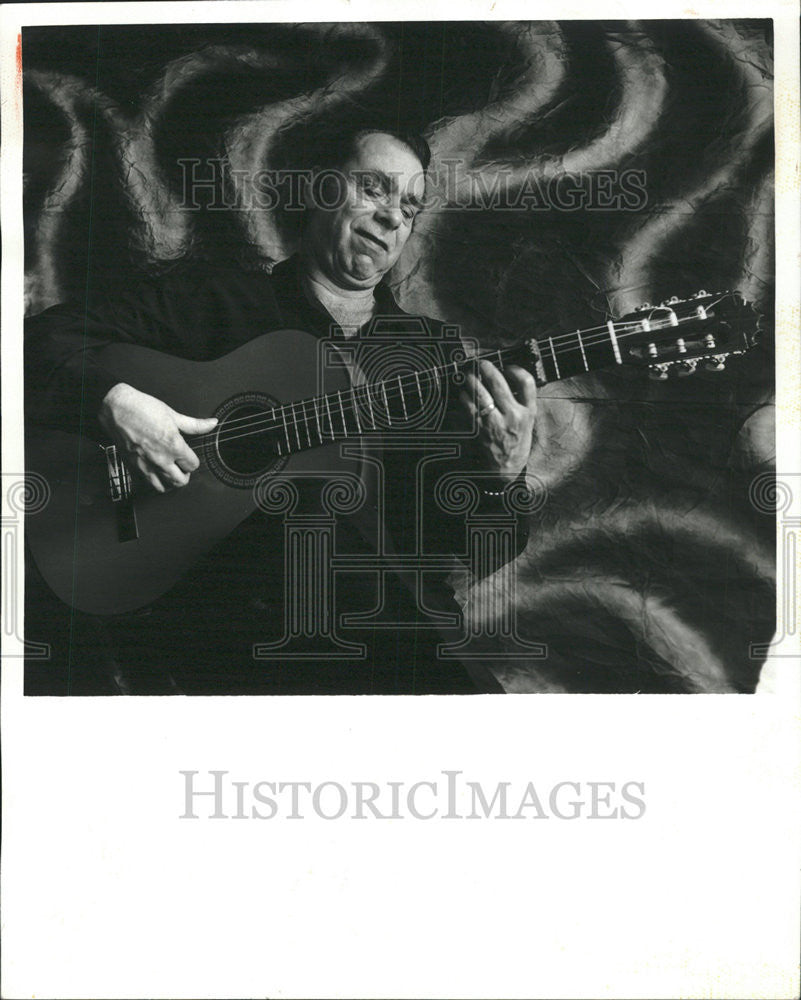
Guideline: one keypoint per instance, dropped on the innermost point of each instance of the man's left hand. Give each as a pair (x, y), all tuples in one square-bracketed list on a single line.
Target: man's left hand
[(504, 405)]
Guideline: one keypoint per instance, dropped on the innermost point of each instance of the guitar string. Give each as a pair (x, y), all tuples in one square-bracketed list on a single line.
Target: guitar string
[(578, 338), (348, 407), (443, 369), (265, 420), (621, 330)]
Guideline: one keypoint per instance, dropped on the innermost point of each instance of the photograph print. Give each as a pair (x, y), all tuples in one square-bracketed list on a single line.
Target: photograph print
[(399, 358)]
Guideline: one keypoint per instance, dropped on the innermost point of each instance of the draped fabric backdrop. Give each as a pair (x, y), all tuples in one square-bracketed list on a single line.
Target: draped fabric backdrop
[(650, 563)]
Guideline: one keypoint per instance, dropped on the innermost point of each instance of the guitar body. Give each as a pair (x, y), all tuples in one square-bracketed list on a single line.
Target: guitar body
[(108, 557)]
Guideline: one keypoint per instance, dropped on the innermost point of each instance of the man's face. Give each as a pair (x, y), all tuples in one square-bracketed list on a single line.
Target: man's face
[(354, 244)]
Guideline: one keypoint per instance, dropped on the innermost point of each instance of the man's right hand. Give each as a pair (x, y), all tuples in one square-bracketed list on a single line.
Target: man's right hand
[(149, 433)]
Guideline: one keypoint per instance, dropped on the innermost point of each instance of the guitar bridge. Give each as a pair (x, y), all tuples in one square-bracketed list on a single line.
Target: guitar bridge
[(119, 479), (119, 482)]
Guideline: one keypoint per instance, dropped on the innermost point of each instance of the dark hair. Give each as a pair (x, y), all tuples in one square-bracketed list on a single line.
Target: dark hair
[(334, 147), (416, 143)]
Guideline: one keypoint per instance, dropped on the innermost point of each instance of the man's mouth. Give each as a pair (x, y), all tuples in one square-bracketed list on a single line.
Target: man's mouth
[(373, 239)]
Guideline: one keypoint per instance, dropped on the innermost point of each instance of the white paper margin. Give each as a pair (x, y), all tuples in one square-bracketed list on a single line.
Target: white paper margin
[(106, 893)]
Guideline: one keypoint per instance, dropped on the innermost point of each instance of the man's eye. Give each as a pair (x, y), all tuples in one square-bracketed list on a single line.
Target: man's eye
[(408, 213), (372, 186)]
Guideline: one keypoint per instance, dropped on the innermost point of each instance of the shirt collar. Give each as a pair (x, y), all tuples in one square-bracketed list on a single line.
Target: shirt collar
[(289, 286)]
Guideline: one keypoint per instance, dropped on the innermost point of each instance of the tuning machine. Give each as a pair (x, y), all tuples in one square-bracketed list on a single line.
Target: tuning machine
[(658, 372), (716, 363), (685, 368)]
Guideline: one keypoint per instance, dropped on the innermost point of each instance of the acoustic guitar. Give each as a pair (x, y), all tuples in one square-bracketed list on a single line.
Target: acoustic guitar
[(106, 542)]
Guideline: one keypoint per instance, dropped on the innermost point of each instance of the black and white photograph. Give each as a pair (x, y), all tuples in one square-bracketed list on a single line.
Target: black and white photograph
[(378, 351), (456, 378)]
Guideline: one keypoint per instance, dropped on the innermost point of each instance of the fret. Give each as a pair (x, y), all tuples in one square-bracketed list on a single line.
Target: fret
[(305, 422), (376, 390), (277, 442), (296, 422), (295, 425), (583, 355), (317, 419), (369, 404), (563, 357), (403, 398), (500, 358), (386, 402), (342, 411), (615, 349), (584, 351), (553, 355), (330, 421), (419, 390), (286, 430), (355, 408)]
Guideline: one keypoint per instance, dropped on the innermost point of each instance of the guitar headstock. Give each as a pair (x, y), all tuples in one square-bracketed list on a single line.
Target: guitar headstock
[(679, 334)]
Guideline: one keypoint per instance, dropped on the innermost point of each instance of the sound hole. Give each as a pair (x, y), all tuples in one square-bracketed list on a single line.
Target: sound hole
[(245, 444)]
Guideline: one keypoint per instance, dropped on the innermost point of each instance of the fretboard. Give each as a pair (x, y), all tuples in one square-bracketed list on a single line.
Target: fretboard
[(398, 402)]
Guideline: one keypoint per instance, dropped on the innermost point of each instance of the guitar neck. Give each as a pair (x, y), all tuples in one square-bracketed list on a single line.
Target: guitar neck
[(397, 402), (676, 334)]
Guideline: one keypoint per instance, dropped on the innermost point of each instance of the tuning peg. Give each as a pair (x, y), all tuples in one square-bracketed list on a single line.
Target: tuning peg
[(658, 372), (716, 364), (684, 368)]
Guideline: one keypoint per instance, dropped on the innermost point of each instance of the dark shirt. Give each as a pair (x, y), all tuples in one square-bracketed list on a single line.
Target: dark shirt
[(201, 635)]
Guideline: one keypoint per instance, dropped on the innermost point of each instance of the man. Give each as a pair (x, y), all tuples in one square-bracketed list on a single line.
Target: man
[(204, 312)]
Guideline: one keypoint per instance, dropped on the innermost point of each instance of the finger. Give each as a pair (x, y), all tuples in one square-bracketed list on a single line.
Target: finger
[(469, 403), (480, 396), (150, 475), (194, 425), (498, 386), (184, 457), (175, 476), (468, 398), (161, 471), (187, 463), (525, 384)]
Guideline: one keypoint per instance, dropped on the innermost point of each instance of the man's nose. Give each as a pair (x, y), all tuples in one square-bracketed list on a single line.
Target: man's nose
[(390, 215)]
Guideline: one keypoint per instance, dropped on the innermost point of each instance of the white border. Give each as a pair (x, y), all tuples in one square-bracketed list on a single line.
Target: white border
[(106, 893)]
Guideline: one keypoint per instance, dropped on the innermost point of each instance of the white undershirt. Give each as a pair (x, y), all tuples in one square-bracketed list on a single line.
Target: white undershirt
[(350, 309)]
